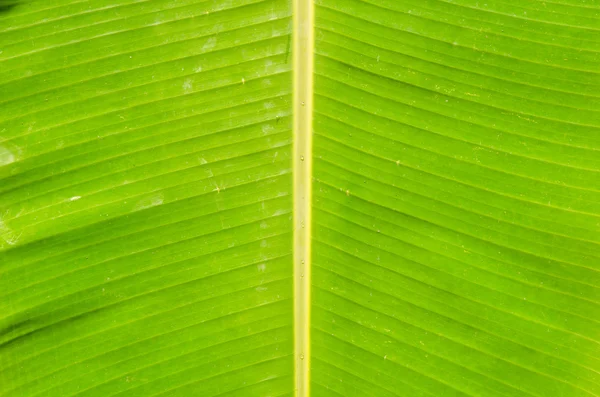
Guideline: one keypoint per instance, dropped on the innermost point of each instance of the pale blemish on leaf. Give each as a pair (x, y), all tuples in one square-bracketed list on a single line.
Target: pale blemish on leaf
[(7, 235), (148, 202), (266, 128), (279, 212), (188, 86), (210, 44), (6, 156)]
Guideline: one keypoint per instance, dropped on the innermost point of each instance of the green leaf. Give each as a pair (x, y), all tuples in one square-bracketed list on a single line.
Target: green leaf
[(277, 198), (146, 199), (457, 197)]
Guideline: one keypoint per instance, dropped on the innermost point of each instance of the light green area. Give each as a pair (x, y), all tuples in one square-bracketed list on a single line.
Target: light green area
[(456, 198), (146, 198)]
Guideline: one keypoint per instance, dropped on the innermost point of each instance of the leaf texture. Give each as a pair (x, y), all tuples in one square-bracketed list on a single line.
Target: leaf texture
[(456, 198), (145, 198)]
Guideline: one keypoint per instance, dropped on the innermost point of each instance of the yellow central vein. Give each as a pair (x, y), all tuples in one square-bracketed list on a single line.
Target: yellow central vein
[(303, 49)]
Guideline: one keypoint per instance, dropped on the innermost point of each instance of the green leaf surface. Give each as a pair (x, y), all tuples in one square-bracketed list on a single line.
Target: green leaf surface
[(456, 199), (148, 204), (146, 199)]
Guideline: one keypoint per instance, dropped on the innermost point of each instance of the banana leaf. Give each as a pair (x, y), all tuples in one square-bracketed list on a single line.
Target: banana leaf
[(298, 198)]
